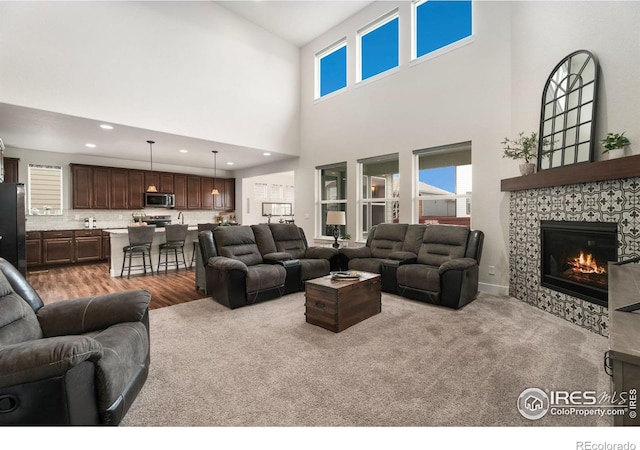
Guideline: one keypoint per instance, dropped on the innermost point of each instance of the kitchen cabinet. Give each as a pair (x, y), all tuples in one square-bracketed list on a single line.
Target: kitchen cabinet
[(136, 188), (180, 190), (193, 192), (88, 245), (57, 247), (33, 248), (166, 183), (101, 187), (206, 199), (229, 194), (82, 179), (119, 193), (11, 170), (106, 246)]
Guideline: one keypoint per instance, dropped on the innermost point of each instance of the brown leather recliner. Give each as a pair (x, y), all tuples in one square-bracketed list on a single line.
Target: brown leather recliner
[(75, 362)]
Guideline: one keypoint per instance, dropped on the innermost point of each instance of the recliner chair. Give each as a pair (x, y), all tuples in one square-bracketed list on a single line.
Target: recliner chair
[(75, 362)]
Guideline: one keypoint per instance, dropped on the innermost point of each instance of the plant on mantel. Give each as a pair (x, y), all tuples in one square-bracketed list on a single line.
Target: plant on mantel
[(614, 144), (523, 148)]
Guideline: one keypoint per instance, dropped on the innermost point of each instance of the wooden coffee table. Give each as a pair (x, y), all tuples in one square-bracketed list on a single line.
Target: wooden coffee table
[(338, 304)]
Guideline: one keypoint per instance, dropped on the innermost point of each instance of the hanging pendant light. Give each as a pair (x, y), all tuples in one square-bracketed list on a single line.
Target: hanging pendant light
[(152, 187), (214, 191)]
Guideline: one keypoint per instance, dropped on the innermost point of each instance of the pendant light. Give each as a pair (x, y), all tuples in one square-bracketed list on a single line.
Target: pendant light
[(214, 191), (152, 187)]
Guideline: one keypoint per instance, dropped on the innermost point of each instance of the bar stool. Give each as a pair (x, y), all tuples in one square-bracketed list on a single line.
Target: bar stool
[(193, 255), (140, 239), (175, 236)]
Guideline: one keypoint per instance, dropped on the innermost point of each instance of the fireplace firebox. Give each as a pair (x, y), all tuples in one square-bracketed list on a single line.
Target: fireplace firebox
[(575, 256)]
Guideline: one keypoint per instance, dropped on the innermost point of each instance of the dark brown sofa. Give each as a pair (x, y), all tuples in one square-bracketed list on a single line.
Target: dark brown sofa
[(431, 263), (248, 264)]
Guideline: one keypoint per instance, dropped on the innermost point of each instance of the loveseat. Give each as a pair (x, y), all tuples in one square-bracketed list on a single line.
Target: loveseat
[(432, 263), (249, 264), (75, 362)]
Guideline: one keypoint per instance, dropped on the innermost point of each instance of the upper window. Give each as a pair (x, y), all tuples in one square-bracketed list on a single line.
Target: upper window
[(379, 47), (440, 23), (332, 69)]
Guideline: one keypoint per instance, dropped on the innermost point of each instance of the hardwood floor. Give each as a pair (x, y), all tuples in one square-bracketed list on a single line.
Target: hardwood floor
[(63, 283)]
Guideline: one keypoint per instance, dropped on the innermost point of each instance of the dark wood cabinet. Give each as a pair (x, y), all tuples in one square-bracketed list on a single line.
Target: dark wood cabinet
[(106, 245), (34, 249), (193, 192), (82, 179), (11, 170), (206, 199), (57, 247), (180, 190), (101, 187), (88, 245), (118, 197), (229, 194), (166, 183), (136, 188)]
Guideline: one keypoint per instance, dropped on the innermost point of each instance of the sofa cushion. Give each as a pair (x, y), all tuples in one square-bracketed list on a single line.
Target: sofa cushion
[(18, 322), (413, 238), (287, 238), (371, 265), (264, 239), (441, 243), (419, 276), (124, 347), (388, 238), (237, 242), (265, 276), (314, 268)]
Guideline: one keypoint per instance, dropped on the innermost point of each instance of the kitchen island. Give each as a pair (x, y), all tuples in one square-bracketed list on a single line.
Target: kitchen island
[(119, 238)]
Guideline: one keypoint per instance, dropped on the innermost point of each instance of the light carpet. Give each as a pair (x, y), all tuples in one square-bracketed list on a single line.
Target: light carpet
[(414, 364)]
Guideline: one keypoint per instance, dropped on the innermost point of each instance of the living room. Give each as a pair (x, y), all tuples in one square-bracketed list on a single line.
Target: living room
[(149, 65)]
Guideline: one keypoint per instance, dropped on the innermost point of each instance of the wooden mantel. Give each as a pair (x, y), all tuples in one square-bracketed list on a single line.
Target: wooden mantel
[(611, 169)]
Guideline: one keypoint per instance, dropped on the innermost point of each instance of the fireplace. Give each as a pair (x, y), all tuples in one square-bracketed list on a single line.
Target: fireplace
[(575, 256)]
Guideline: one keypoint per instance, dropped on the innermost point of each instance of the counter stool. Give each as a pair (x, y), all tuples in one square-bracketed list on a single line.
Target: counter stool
[(193, 255), (140, 239), (175, 236)]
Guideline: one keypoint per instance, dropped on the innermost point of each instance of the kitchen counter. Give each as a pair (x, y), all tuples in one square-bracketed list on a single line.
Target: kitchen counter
[(119, 238)]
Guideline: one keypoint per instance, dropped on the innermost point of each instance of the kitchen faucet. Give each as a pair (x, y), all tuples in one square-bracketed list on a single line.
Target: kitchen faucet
[(181, 217)]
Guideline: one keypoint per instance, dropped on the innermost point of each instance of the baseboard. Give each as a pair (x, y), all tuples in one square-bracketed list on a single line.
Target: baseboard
[(493, 289)]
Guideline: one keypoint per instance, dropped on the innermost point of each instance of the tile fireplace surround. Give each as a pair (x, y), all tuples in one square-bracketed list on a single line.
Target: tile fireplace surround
[(611, 200)]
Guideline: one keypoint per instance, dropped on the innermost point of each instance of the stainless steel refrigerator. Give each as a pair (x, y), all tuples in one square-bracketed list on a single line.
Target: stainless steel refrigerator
[(12, 225)]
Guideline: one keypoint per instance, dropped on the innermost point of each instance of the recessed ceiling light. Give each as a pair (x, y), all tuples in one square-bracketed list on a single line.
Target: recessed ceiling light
[(230, 163), (183, 150), (267, 154), (90, 145), (105, 126)]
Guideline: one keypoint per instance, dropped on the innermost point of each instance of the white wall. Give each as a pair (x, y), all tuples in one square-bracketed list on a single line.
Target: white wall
[(460, 96), (187, 68), (252, 206)]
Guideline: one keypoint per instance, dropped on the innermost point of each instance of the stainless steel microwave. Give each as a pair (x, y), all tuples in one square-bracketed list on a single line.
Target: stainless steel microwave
[(158, 200)]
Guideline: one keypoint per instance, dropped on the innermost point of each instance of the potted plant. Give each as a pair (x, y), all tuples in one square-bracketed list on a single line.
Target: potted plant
[(614, 144), (522, 148)]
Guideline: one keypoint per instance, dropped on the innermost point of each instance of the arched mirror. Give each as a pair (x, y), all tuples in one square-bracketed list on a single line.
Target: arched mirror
[(568, 118)]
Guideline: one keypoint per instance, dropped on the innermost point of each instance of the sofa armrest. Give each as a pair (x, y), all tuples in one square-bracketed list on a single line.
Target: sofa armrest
[(356, 252), (82, 315), (320, 252), (458, 264), (277, 257), (224, 264), (44, 358), (404, 257)]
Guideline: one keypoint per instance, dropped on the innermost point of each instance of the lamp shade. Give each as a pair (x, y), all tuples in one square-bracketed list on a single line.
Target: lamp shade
[(336, 218)]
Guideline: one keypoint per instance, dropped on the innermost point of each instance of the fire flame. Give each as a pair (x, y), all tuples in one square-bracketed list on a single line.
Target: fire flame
[(586, 263)]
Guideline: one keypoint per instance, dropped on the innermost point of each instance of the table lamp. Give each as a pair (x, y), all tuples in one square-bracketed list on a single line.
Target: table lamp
[(336, 218)]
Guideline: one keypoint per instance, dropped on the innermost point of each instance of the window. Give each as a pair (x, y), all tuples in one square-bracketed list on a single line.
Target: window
[(379, 201), (45, 190), (333, 195), (440, 23), (379, 47), (444, 184), (331, 69)]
